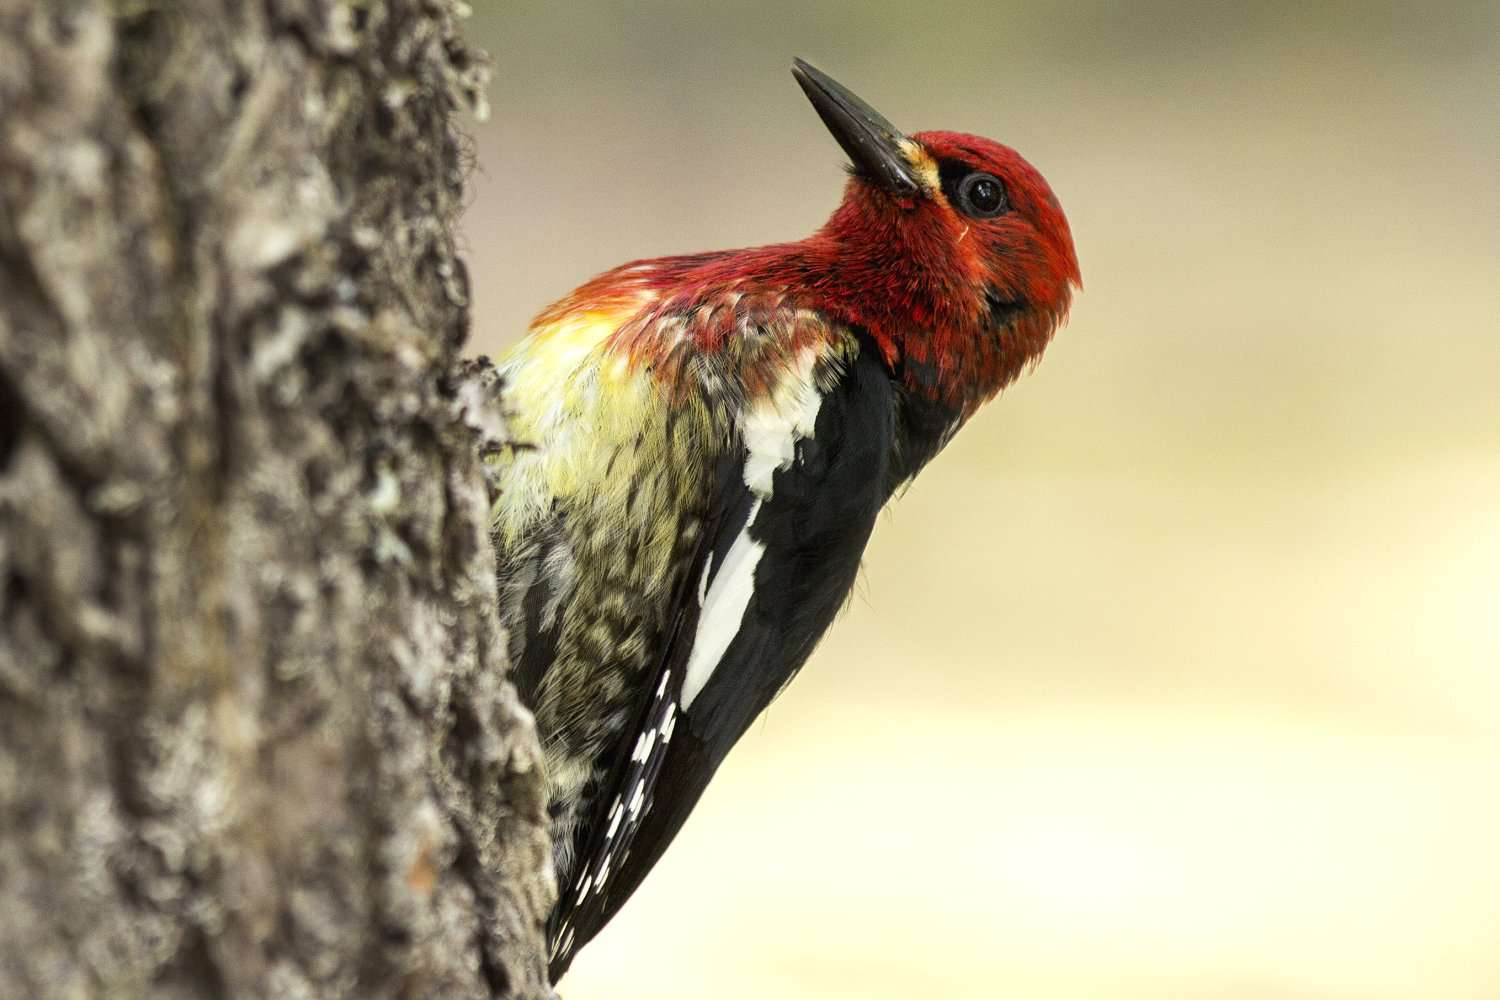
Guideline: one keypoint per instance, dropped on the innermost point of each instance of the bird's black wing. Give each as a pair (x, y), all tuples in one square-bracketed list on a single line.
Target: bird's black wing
[(788, 558)]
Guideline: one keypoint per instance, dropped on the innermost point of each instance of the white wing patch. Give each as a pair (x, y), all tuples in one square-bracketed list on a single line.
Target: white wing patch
[(771, 430), (773, 426), (723, 609)]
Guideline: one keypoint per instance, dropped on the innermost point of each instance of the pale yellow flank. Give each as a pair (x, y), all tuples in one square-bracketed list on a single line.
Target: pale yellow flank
[(618, 475), (576, 404)]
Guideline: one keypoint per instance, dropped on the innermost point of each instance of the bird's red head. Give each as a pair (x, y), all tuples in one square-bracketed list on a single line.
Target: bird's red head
[(950, 249)]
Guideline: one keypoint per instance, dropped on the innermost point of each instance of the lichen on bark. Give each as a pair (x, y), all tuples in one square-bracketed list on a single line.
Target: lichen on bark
[(255, 737)]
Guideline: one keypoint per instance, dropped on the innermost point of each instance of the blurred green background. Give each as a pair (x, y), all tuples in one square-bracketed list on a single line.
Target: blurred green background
[(1178, 674)]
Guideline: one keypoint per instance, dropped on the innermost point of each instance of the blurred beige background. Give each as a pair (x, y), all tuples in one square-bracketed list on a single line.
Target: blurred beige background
[(1178, 674)]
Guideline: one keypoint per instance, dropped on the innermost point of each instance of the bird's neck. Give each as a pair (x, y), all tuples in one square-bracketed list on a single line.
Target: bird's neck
[(944, 333), (939, 329)]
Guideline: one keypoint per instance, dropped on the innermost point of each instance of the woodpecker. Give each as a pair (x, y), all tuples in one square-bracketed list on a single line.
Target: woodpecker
[(712, 438)]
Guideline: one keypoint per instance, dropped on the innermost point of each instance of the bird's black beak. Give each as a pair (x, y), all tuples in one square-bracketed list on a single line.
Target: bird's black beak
[(871, 142)]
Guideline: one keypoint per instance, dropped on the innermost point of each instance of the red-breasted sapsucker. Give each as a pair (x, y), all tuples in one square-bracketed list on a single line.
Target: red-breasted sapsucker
[(713, 436)]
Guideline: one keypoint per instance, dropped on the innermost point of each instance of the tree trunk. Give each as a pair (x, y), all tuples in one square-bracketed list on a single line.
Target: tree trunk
[(255, 736)]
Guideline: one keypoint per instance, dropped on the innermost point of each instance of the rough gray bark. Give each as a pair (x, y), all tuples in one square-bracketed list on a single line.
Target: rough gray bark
[(255, 738)]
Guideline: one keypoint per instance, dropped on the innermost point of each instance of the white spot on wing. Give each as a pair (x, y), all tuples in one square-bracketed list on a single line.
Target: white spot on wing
[(772, 427), (563, 943), (771, 448)]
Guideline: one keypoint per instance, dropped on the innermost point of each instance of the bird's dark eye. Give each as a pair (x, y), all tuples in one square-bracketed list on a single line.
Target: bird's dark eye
[(981, 196)]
